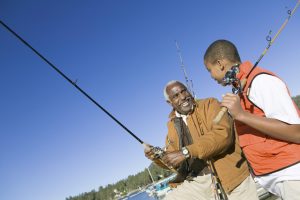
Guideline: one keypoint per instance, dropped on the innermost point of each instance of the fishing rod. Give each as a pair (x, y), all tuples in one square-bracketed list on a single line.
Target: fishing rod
[(157, 151), (230, 76), (70, 81), (189, 82), (271, 41), (219, 193)]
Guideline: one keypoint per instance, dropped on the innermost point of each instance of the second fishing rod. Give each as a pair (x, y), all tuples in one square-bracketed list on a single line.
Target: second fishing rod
[(231, 76)]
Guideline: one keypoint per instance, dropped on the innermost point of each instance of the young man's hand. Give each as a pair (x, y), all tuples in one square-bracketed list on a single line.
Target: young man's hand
[(232, 102)]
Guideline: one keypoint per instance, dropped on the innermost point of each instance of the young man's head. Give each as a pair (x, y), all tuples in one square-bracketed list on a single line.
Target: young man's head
[(219, 57), (178, 96)]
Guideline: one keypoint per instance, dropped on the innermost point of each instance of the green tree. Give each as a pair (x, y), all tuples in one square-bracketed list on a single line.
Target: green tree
[(297, 100)]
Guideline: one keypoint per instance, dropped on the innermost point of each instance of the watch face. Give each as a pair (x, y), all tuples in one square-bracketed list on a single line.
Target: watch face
[(185, 151)]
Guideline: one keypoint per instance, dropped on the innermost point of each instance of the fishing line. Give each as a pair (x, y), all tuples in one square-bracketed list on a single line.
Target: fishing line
[(189, 82)]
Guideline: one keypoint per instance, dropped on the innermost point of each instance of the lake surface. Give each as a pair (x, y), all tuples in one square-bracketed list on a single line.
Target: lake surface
[(141, 196)]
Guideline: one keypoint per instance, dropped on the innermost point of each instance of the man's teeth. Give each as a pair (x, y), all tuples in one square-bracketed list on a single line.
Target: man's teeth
[(185, 104)]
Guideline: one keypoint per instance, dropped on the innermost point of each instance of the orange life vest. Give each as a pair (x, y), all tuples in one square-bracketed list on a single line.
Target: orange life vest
[(265, 154)]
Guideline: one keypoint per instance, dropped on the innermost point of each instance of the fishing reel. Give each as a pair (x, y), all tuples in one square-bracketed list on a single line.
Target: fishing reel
[(158, 152), (230, 79)]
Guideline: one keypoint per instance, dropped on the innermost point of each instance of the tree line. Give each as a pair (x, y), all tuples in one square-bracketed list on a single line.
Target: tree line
[(123, 187), (297, 100)]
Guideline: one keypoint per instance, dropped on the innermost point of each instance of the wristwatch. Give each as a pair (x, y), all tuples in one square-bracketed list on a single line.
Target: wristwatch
[(185, 152)]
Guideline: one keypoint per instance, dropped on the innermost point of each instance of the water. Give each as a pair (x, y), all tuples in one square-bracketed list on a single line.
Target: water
[(141, 196)]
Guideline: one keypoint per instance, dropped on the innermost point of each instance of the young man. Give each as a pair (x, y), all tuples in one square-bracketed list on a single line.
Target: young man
[(267, 120), (192, 140)]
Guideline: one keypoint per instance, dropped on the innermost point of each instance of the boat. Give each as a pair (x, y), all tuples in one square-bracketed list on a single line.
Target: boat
[(160, 188)]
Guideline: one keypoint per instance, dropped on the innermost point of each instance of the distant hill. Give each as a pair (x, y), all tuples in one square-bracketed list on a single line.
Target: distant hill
[(132, 182)]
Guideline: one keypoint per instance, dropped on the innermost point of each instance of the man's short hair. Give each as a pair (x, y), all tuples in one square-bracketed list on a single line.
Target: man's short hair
[(221, 49), (167, 85)]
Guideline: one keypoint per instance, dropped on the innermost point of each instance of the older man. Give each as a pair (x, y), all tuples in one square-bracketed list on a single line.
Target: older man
[(196, 147)]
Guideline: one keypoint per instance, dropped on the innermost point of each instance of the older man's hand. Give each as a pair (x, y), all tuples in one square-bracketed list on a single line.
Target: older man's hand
[(173, 159), (148, 151)]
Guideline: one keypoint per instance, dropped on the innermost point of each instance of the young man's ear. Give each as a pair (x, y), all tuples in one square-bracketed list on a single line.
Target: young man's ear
[(221, 64)]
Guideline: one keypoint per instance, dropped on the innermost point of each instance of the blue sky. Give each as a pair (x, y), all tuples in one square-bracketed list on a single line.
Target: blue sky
[(54, 143)]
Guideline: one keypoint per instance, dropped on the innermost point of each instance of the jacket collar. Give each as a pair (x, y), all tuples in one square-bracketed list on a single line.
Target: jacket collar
[(173, 114)]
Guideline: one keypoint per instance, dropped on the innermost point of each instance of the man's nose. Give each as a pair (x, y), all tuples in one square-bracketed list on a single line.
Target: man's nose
[(182, 96)]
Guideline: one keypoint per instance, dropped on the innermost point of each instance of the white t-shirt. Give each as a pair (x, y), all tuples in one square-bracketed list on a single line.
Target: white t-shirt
[(270, 94)]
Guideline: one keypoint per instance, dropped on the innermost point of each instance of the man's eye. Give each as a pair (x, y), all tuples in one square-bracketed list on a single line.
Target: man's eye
[(183, 91), (175, 96)]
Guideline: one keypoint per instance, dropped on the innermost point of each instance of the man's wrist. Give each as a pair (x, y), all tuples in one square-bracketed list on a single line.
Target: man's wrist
[(241, 116), (185, 152)]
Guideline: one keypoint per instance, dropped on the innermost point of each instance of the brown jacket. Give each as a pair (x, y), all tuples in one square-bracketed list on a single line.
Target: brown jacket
[(215, 142)]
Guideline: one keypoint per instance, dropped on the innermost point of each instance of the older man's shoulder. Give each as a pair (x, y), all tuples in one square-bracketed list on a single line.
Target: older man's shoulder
[(205, 101)]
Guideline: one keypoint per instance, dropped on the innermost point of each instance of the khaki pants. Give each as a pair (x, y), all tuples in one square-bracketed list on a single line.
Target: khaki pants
[(201, 189), (289, 190)]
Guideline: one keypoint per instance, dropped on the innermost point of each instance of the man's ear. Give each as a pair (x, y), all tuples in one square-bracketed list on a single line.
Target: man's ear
[(169, 102), (221, 64)]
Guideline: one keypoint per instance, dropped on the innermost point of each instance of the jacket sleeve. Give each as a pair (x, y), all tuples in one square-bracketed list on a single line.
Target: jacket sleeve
[(217, 138)]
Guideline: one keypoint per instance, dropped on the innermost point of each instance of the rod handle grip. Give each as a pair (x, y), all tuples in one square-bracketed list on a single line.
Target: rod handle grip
[(146, 146), (219, 116)]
